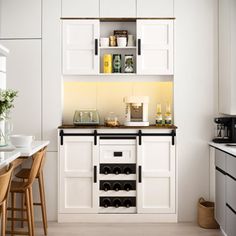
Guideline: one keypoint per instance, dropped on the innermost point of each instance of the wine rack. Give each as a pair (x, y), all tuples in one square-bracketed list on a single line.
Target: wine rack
[(117, 169), (118, 185), (116, 202)]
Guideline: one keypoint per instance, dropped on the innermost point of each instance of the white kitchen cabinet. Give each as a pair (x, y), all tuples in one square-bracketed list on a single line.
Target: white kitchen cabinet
[(155, 8), (24, 75), (117, 9), (80, 47), (80, 8), (78, 187), (20, 19), (155, 47), (156, 168), (227, 57)]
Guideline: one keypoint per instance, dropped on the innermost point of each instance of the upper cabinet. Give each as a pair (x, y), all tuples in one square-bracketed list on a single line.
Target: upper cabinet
[(155, 47), (80, 47), (20, 19), (80, 8), (114, 8), (155, 8), (227, 57)]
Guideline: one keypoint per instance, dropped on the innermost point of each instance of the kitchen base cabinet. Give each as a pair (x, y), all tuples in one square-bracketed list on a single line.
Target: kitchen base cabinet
[(95, 169), (230, 222)]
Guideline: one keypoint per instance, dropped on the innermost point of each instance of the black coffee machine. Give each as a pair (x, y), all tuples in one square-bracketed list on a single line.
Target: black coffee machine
[(225, 130)]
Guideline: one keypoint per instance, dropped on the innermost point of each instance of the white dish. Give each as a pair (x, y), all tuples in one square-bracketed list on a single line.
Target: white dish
[(21, 141)]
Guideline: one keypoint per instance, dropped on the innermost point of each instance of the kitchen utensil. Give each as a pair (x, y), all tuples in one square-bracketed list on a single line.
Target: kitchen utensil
[(21, 140), (86, 117), (136, 111), (107, 63), (104, 42), (121, 41)]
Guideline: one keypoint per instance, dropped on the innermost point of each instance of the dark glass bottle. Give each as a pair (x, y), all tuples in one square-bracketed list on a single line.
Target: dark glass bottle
[(127, 170), (127, 203), (106, 202), (127, 187), (106, 170), (116, 170), (116, 202), (106, 186), (117, 186)]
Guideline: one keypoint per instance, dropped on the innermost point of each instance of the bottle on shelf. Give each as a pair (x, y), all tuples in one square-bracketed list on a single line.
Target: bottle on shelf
[(117, 186), (106, 186), (106, 202), (127, 170), (168, 115), (116, 202), (107, 63), (127, 186), (127, 203), (106, 170), (116, 62), (116, 170), (159, 117)]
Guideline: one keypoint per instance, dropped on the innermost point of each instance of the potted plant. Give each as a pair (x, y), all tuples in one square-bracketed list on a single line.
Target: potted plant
[(7, 97)]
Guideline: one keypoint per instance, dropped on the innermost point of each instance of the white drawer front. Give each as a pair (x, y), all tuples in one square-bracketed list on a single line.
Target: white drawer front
[(231, 192), (220, 159), (231, 165), (117, 154), (230, 222)]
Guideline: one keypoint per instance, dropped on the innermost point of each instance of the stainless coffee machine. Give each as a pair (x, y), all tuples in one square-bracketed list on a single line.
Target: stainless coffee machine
[(225, 130)]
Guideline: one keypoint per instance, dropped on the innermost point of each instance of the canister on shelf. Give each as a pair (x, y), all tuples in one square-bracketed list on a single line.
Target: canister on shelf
[(112, 40), (107, 63), (116, 63), (129, 63)]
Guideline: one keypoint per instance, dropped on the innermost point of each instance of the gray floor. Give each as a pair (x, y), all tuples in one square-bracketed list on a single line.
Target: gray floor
[(81, 229)]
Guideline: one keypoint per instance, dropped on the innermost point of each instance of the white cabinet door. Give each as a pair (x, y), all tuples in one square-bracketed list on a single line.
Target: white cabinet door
[(114, 8), (80, 47), (156, 188), (80, 8), (24, 75), (155, 47), (20, 19), (227, 57), (155, 8), (78, 192)]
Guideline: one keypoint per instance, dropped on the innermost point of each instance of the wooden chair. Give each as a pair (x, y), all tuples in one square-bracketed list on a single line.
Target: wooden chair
[(25, 188), (5, 180), (24, 175)]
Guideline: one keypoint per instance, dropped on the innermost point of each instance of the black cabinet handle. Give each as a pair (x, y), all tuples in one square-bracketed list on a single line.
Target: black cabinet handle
[(139, 47), (117, 154), (140, 174), (95, 174), (96, 46)]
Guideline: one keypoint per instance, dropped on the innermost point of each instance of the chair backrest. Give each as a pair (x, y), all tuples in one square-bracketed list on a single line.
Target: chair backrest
[(43, 160), (5, 180), (37, 160)]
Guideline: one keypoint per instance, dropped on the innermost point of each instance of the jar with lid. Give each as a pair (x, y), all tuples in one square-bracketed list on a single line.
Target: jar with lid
[(111, 120)]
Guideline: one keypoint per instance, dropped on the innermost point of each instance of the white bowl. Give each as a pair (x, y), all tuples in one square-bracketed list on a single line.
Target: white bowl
[(21, 140)]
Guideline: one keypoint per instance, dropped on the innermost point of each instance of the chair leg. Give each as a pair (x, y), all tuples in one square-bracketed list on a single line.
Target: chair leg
[(22, 206), (43, 202), (12, 213), (3, 221), (28, 208), (31, 208)]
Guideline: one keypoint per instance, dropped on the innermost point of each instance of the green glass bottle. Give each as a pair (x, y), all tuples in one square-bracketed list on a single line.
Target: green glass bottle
[(116, 63)]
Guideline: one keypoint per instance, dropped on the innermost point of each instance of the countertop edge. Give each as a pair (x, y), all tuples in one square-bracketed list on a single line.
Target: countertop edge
[(229, 150)]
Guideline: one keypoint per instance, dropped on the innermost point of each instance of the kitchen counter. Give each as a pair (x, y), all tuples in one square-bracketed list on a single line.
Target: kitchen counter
[(8, 157), (223, 147), (71, 126)]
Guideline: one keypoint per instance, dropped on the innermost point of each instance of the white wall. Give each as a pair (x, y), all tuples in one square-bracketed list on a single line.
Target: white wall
[(196, 76)]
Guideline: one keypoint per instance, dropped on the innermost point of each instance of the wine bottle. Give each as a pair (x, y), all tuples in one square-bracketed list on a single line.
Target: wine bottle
[(159, 118), (117, 186), (168, 115), (127, 203), (106, 170), (127, 187), (106, 186), (116, 202), (106, 202), (116, 170), (127, 170)]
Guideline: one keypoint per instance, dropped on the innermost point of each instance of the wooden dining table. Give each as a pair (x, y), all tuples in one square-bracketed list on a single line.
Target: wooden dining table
[(17, 156)]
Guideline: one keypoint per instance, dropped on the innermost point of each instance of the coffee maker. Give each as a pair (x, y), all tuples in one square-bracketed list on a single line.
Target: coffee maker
[(225, 131)]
